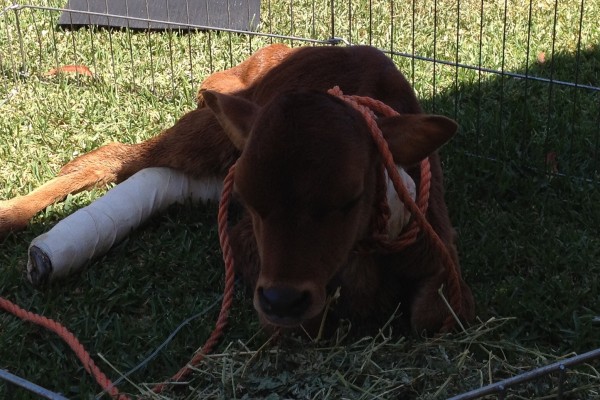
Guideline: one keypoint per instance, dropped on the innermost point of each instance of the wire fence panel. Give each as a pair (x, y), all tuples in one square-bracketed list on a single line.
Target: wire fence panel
[(521, 78), (560, 368), (491, 91), (29, 386)]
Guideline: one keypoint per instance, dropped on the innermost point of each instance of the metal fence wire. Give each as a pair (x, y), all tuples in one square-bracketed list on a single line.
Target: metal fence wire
[(432, 42)]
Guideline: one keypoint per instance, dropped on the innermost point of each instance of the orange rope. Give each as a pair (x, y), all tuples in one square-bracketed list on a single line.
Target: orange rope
[(85, 358), (363, 105), (367, 106), (215, 336), (70, 340)]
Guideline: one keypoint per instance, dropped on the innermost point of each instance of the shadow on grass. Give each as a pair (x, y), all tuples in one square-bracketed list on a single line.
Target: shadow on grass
[(523, 187)]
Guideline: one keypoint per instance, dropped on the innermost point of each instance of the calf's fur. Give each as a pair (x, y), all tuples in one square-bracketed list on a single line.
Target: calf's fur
[(306, 181)]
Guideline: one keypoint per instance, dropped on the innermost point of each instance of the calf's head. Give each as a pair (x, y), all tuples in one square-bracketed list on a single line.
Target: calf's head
[(307, 176)]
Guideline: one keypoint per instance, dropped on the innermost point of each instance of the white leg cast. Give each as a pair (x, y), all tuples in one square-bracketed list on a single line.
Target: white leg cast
[(93, 230)]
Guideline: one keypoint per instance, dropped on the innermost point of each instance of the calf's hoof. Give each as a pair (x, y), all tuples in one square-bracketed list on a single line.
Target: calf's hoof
[(39, 266)]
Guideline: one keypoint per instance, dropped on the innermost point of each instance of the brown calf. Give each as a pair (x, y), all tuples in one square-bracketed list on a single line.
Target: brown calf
[(306, 179)]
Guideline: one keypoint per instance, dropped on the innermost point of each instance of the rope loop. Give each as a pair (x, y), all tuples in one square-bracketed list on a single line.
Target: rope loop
[(367, 106)]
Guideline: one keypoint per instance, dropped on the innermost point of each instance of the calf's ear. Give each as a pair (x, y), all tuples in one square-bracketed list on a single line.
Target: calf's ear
[(236, 115), (413, 137)]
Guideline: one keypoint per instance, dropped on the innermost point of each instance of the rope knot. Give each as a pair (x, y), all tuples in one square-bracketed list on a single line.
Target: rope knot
[(379, 239)]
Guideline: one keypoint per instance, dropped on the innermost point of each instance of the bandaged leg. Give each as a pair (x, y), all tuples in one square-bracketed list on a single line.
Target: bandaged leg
[(91, 231)]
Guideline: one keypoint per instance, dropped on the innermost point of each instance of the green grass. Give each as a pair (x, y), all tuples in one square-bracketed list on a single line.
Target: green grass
[(529, 241)]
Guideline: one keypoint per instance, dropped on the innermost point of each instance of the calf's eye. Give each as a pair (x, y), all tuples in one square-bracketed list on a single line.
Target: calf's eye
[(319, 213), (348, 206)]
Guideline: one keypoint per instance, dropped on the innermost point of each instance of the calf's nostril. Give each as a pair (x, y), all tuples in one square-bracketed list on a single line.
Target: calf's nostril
[(283, 301)]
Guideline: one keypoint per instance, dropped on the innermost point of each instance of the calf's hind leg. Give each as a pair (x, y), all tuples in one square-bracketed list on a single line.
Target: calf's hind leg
[(99, 167), (195, 145)]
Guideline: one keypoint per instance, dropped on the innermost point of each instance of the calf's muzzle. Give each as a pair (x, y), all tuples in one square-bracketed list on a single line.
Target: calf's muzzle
[(283, 305)]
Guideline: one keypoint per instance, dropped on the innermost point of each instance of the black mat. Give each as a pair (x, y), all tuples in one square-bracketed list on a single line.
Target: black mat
[(228, 14)]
